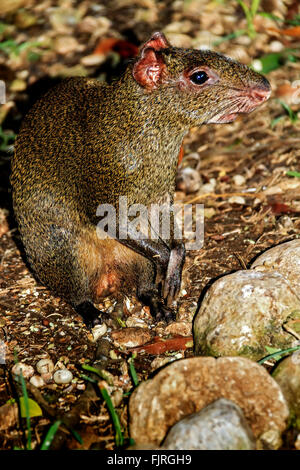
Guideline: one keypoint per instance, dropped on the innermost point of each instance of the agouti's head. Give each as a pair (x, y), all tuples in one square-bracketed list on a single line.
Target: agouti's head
[(198, 87)]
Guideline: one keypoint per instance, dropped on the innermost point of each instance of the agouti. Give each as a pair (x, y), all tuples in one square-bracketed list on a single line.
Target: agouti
[(87, 143)]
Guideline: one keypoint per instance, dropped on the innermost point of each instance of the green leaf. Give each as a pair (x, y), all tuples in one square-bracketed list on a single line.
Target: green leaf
[(34, 408), (277, 354), (293, 173), (50, 435), (274, 61)]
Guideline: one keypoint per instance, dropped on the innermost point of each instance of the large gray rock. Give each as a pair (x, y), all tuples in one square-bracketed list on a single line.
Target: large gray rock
[(219, 426), (244, 312)]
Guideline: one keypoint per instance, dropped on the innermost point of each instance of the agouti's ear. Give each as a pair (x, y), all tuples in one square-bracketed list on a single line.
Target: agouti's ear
[(149, 69), (157, 42)]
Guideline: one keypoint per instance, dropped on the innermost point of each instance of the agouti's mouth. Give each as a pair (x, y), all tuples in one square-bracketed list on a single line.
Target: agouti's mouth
[(243, 102)]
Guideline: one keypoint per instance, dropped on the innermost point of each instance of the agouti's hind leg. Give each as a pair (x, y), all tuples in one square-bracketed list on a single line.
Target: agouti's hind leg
[(90, 314)]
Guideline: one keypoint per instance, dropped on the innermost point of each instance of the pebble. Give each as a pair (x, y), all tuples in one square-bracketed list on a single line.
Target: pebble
[(131, 337), (98, 331), (188, 180), (219, 426), (27, 371), (62, 376), (239, 180), (237, 200), (37, 381), (45, 366)]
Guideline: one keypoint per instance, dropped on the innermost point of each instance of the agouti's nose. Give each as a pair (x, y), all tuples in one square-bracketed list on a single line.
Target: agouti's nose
[(260, 94)]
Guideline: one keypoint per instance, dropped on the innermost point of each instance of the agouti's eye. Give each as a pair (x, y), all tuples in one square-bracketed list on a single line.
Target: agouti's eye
[(199, 77)]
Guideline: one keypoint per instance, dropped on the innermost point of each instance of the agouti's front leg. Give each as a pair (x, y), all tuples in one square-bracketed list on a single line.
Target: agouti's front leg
[(168, 264)]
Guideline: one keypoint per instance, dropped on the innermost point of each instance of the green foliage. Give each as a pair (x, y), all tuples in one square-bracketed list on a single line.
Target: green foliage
[(50, 435), (293, 115), (277, 354), (7, 138), (250, 12), (275, 60), (133, 371)]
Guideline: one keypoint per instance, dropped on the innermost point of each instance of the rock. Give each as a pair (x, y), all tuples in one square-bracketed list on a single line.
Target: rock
[(27, 371), (66, 44), (287, 375), (45, 366), (131, 337), (244, 312), (98, 331), (37, 381), (181, 328), (239, 180), (62, 376), (187, 386), (8, 416), (219, 426), (237, 200), (285, 259), (93, 59), (188, 180)]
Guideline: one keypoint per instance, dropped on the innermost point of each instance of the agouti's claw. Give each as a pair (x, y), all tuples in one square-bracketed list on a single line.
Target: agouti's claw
[(172, 282)]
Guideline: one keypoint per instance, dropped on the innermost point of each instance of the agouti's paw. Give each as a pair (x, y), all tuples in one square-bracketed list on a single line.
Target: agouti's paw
[(172, 283), (162, 313), (90, 314)]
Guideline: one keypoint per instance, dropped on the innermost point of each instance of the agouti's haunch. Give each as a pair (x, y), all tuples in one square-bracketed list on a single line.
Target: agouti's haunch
[(86, 143)]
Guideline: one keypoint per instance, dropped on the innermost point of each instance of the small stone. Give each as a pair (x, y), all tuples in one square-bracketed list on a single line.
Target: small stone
[(188, 180), (208, 187), (37, 381), (65, 45), (239, 180), (209, 212), (237, 200), (98, 331), (181, 328), (270, 440), (93, 59), (219, 426), (297, 442), (62, 376), (27, 371), (117, 397), (45, 366), (131, 337)]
